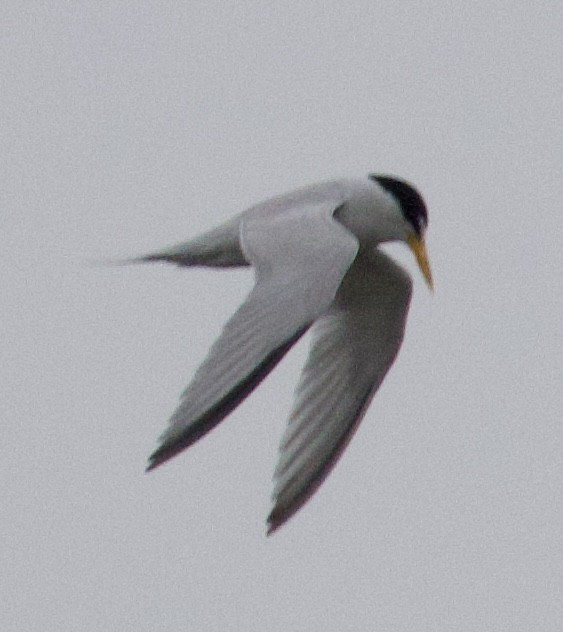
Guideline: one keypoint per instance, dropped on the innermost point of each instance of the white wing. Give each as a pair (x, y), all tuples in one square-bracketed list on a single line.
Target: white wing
[(301, 257), (354, 344)]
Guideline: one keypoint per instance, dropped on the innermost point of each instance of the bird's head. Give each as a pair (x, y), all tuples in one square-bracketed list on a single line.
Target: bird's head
[(414, 218)]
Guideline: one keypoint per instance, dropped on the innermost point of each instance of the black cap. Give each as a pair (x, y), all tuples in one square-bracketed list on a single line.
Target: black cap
[(411, 202)]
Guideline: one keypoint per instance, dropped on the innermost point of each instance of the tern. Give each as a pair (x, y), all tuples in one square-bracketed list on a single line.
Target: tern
[(317, 263)]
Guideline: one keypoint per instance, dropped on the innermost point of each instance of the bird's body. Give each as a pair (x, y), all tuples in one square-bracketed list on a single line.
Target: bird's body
[(317, 265)]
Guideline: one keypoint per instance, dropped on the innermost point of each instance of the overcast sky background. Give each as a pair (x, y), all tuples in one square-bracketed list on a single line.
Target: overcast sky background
[(129, 126)]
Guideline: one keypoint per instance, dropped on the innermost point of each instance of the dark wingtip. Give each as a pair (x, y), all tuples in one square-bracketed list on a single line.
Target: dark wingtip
[(151, 466), (164, 453), (279, 516), (271, 526)]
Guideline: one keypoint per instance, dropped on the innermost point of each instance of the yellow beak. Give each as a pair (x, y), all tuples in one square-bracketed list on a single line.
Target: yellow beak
[(417, 245)]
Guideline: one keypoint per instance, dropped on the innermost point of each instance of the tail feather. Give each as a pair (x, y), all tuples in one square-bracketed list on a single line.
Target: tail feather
[(219, 247)]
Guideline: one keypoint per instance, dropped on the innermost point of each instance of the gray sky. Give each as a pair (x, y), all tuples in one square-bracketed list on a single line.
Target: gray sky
[(128, 126)]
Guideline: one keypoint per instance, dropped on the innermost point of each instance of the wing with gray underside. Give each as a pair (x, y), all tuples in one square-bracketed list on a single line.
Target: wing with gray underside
[(300, 258), (354, 344)]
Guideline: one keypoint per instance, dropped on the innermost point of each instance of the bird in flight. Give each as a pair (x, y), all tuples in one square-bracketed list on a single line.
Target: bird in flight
[(317, 263)]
